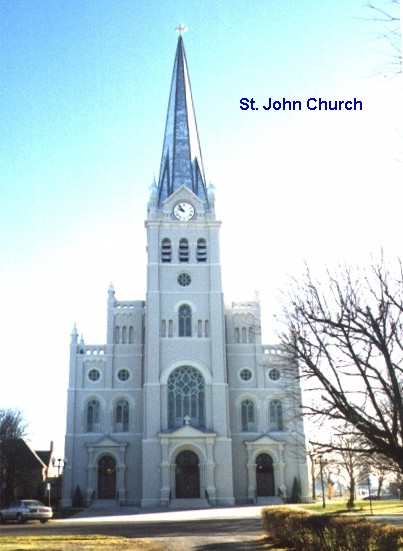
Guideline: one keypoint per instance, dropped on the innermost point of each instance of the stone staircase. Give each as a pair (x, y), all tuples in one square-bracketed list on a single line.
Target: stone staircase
[(103, 504), (194, 503), (269, 500)]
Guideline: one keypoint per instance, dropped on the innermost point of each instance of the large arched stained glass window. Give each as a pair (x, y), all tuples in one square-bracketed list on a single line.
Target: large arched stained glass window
[(186, 398), (122, 416), (185, 321)]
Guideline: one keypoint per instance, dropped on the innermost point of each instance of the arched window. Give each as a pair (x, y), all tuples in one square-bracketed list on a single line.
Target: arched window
[(163, 328), (131, 334), (122, 416), (183, 250), (236, 334), (276, 416), (185, 321), (166, 250), (186, 398), (248, 416), (201, 250), (124, 334), (92, 416), (117, 335)]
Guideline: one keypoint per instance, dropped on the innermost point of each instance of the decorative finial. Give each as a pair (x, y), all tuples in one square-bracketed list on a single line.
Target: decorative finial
[(181, 28)]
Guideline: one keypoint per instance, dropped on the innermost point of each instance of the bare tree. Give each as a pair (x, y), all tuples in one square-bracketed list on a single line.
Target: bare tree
[(387, 13), (346, 332), (12, 428)]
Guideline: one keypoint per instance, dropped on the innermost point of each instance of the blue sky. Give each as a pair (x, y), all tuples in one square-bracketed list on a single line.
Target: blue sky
[(83, 97)]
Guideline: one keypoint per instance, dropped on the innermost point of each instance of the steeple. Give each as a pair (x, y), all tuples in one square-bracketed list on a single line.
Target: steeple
[(181, 163)]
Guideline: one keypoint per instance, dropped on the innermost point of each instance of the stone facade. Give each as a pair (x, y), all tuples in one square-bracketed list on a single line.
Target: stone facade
[(183, 401)]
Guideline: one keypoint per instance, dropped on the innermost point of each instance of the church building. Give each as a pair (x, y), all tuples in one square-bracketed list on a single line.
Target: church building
[(183, 405)]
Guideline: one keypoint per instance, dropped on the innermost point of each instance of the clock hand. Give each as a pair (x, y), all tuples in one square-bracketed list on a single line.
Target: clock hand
[(181, 208)]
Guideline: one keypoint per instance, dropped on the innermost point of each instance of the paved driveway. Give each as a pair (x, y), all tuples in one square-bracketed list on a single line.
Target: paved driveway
[(230, 529)]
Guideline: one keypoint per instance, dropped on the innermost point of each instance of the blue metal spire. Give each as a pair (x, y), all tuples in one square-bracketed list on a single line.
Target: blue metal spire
[(181, 163)]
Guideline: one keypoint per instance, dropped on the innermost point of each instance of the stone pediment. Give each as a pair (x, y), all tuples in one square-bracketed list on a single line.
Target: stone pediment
[(106, 442), (187, 431), (264, 441), (183, 194)]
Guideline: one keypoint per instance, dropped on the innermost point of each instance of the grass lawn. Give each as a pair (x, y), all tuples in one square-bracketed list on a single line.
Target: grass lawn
[(362, 507), (78, 543)]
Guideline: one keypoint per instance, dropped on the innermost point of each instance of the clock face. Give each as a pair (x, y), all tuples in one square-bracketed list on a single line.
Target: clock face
[(183, 211)]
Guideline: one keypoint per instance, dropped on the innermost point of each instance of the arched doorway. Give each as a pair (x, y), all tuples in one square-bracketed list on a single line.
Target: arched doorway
[(107, 478), (264, 475), (187, 475)]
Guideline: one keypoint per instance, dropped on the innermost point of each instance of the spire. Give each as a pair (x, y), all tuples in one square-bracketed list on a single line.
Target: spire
[(181, 163)]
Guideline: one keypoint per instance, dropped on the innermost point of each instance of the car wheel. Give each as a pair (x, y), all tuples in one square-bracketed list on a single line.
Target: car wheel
[(20, 518), (43, 520)]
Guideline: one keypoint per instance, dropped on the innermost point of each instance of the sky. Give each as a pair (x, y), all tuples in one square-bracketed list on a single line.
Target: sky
[(83, 98)]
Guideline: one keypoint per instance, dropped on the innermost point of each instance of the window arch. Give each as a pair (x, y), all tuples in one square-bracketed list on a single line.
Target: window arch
[(166, 250), (92, 423), (186, 397), (121, 416), (201, 250), (183, 250), (248, 415), (185, 320), (276, 416)]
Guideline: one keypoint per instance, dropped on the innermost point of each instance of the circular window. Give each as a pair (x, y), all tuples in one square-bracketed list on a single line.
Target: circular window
[(123, 374), (274, 374), (184, 279), (246, 374), (94, 375)]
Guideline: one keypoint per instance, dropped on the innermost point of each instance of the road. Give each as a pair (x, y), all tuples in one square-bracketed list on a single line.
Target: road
[(235, 528)]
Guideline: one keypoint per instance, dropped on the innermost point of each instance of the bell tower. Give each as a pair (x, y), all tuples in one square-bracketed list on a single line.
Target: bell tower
[(186, 410)]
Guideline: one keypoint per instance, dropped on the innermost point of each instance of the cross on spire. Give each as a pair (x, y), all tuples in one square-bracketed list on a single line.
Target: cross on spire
[(181, 28)]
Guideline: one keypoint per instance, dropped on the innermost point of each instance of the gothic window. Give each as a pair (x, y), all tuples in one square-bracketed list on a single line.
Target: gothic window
[(186, 397), (170, 328), (276, 416), (131, 334), (185, 321), (124, 334), (92, 416), (166, 250), (236, 334), (183, 250), (122, 416), (200, 328), (163, 328), (248, 416), (117, 335), (201, 250)]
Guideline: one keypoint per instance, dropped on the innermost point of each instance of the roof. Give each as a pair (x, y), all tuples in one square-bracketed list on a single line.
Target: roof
[(181, 162)]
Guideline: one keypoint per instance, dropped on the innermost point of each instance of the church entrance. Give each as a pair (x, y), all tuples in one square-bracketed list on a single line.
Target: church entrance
[(187, 475), (106, 478), (264, 475)]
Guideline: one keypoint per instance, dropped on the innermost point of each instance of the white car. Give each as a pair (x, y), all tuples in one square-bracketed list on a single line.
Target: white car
[(26, 509)]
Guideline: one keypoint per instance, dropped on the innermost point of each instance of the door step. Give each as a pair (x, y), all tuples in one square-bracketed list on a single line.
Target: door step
[(194, 503)]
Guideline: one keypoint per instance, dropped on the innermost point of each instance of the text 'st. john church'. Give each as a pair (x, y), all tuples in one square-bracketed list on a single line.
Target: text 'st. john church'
[(183, 405)]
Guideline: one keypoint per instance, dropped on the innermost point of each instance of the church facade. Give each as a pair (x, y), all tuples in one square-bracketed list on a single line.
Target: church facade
[(183, 404)]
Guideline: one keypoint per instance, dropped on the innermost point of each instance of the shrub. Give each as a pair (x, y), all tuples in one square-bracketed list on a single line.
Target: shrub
[(302, 530), (78, 500)]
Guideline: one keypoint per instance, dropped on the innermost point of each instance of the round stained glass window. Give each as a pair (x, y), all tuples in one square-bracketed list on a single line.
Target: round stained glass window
[(246, 374), (123, 374), (93, 374), (184, 279), (274, 374)]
